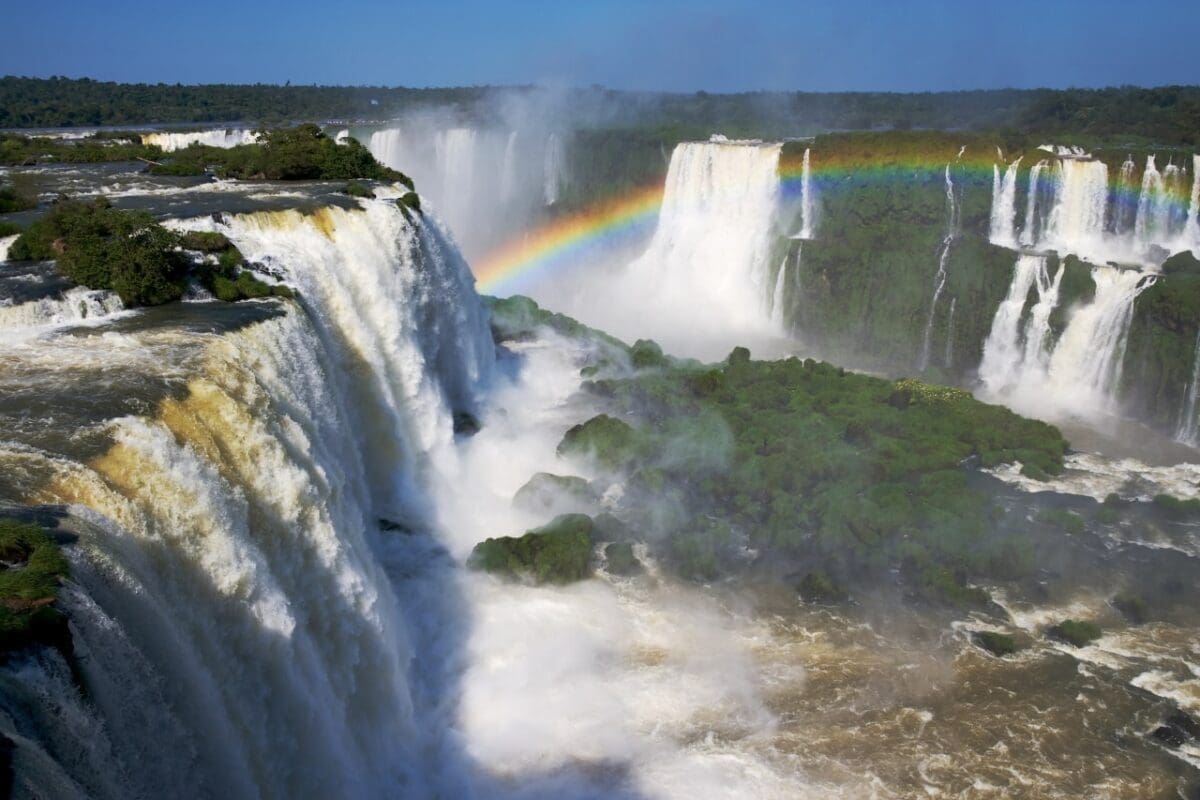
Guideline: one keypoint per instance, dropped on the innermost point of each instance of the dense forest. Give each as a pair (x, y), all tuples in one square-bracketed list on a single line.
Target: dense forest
[(1164, 115)]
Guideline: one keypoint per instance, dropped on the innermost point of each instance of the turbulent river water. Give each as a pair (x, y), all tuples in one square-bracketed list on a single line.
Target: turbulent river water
[(267, 511)]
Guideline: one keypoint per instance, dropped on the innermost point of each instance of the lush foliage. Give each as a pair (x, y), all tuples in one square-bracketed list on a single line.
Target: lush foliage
[(559, 552), (1076, 633), (1166, 114), (848, 474), (30, 569), (102, 247), (18, 150), (287, 154), (128, 252)]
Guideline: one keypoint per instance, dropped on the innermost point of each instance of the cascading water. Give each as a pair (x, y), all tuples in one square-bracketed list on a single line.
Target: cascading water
[(806, 197), (1193, 218), (1004, 205), (1076, 222), (1152, 205), (708, 256), (1076, 375), (236, 633), (508, 169), (221, 137), (939, 279), (1187, 431), (1029, 230), (554, 171)]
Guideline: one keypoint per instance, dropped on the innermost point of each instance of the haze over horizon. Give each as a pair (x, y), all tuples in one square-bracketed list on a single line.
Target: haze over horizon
[(854, 45)]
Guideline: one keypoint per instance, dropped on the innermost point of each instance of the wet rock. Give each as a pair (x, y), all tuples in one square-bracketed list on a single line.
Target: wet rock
[(1169, 736), (620, 560), (1132, 606), (466, 424), (1077, 633), (548, 493), (998, 644)]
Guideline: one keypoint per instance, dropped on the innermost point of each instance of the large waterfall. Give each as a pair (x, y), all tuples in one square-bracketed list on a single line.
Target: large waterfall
[(220, 137), (1071, 208), (484, 183), (236, 632), (708, 259)]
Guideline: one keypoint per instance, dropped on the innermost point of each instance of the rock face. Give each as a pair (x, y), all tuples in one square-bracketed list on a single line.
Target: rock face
[(557, 553), (620, 560), (998, 644), (1075, 632), (546, 493)]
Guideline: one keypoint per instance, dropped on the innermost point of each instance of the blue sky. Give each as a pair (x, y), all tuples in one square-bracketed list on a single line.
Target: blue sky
[(733, 45)]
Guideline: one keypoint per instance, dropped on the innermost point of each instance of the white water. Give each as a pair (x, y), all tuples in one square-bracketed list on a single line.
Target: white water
[(1193, 218), (1004, 205), (5, 243), (707, 260), (73, 306), (554, 171), (1186, 431), (939, 279), (1075, 376), (483, 183), (238, 635), (806, 198), (1029, 230), (170, 141)]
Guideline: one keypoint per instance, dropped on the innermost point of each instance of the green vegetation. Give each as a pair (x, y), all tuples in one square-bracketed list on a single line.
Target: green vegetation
[(12, 199), (998, 644), (9, 228), (518, 318), (98, 246), (1132, 606), (1168, 114), (409, 202), (1063, 520), (128, 252), (18, 150), (356, 189), (611, 442), (1075, 632), (287, 154), (559, 552), (817, 587), (849, 474), (1174, 507), (31, 567)]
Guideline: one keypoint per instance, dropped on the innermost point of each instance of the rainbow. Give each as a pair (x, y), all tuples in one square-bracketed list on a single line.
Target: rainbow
[(562, 241), (568, 237)]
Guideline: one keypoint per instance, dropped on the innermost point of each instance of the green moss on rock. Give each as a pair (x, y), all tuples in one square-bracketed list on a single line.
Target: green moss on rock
[(1076, 633), (545, 492), (608, 440), (557, 553), (620, 560), (998, 644)]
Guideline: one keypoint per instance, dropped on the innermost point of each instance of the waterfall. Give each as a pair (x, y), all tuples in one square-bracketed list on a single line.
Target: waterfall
[(1004, 205), (1002, 351), (389, 148), (949, 359), (1078, 374), (75, 305), (1186, 431), (1151, 221), (1076, 221), (221, 137), (1126, 211), (806, 198), (1193, 223), (554, 168), (236, 632), (778, 306), (939, 279), (508, 169), (1029, 231), (708, 256)]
